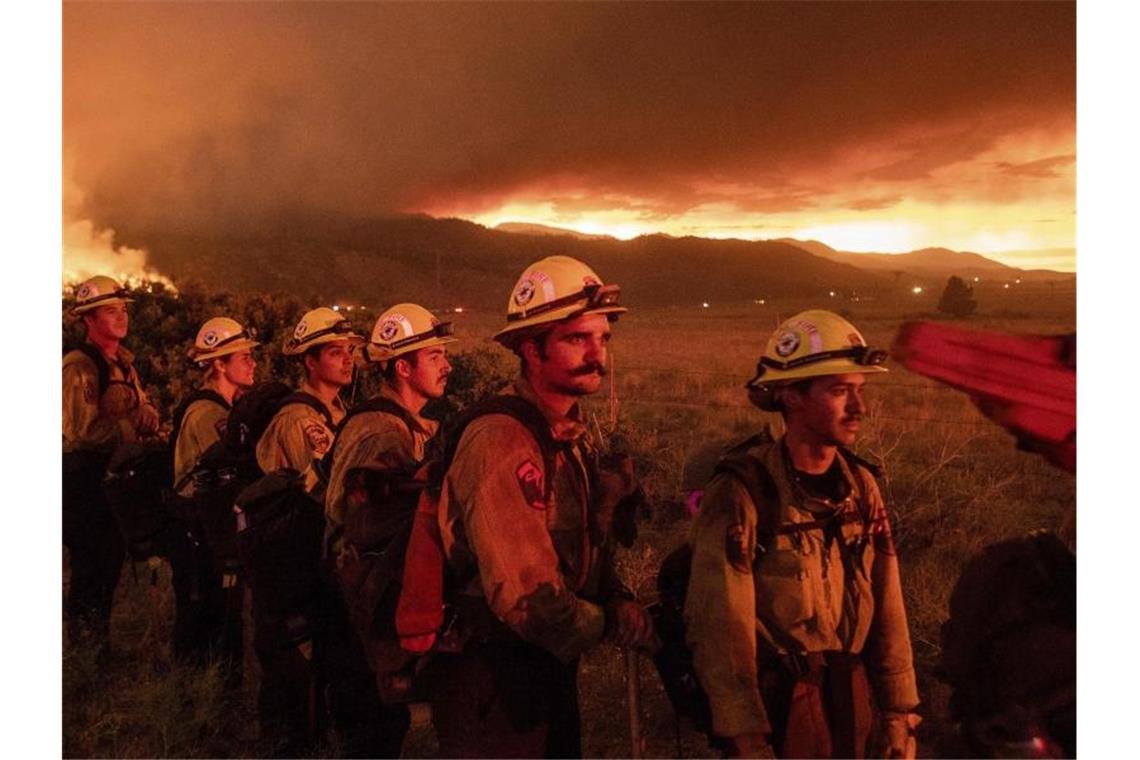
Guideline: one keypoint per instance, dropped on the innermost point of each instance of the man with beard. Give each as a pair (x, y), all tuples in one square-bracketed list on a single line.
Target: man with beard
[(103, 406), (524, 531), (223, 351), (794, 610), (379, 446)]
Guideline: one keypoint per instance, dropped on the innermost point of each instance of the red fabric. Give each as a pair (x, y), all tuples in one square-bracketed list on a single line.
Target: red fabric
[(419, 613)]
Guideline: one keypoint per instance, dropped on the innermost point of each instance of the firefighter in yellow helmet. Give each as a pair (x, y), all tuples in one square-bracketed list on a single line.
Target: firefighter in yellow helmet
[(104, 405), (521, 520), (794, 610), (371, 494), (223, 352), (300, 434)]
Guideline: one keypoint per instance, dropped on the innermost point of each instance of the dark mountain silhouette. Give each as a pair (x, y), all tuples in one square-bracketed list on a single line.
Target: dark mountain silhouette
[(526, 228), (451, 262), (928, 262)]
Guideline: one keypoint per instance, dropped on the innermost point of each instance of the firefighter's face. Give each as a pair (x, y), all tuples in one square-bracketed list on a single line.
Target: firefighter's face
[(572, 359), (108, 322), (428, 375), (830, 412), (332, 363), (239, 368)]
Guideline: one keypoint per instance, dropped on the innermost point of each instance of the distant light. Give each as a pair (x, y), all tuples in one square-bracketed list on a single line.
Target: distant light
[(1018, 281), (349, 308), (336, 307), (831, 293), (704, 304), (975, 279), (916, 289), (458, 309), (364, 308), (1006, 286)]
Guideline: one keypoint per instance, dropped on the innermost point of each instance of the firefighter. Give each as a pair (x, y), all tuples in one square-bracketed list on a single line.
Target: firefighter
[(298, 437), (207, 616), (386, 438), (794, 610), (300, 434), (519, 514), (104, 405)]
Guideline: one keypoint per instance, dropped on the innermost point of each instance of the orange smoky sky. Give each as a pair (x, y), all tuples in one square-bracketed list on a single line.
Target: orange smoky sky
[(867, 126)]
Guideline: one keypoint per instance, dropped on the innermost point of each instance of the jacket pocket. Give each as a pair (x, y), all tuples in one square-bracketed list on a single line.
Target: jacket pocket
[(783, 589)]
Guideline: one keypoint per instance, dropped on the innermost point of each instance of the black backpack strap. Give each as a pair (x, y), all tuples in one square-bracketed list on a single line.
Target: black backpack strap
[(376, 404), (311, 401), (102, 366), (530, 416), (761, 488), (199, 394)]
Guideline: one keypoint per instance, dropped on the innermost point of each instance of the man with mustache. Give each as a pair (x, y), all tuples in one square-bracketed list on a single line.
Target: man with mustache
[(103, 406), (381, 442), (525, 529), (794, 611)]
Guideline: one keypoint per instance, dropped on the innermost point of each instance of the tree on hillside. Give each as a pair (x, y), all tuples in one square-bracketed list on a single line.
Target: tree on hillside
[(958, 298)]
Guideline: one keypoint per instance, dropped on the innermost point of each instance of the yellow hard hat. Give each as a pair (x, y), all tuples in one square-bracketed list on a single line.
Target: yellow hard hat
[(321, 325), (98, 291), (553, 289), (404, 328), (220, 336), (813, 343)]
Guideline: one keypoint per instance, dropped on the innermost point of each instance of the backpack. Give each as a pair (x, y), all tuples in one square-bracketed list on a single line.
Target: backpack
[(136, 485), (198, 394), (230, 465), (674, 659), (278, 542), (102, 366)]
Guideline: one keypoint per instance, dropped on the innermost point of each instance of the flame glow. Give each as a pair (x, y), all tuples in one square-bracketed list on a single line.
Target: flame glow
[(90, 250)]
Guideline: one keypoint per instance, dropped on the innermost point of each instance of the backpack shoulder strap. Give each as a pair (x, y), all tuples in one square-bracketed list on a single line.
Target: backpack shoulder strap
[(855, 463), (376, 404), (513, 406), (761, 488), (102, 366), (311, 401)]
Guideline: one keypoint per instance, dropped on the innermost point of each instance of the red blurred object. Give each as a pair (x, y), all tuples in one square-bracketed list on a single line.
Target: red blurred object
[(1025, 383)]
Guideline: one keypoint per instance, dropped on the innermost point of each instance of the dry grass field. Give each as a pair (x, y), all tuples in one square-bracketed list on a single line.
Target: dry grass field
[(953, 482)]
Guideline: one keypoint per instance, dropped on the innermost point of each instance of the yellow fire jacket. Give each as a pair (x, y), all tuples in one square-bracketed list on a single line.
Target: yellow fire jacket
[(297, 437), (542, 565), (99, 423), (799, 598)]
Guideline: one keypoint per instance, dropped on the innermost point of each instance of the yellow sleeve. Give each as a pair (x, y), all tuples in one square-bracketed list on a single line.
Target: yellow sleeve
[(201, 428), (887, 653), (720, 608), (372, 440), (497, 464), (295, 438), (83, 428)]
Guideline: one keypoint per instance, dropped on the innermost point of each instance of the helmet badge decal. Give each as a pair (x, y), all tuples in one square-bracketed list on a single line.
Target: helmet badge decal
[(787, 342), (524, 292), (302, 328), (84, 291), (209, 339), (394, 326)]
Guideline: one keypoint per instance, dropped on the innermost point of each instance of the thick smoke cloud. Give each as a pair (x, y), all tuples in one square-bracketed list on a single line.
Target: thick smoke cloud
[(220, 117)]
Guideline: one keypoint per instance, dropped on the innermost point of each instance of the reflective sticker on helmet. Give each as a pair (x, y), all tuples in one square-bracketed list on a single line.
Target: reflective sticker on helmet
[(787, 342), (524, 292), (318, 438), (84, 291), (302, 328), (543, 280), (209, 339), (531, 484), (815, 340), (392, 327)]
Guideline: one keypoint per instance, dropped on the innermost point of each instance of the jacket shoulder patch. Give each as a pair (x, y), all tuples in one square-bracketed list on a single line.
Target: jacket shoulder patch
[(530, 479)]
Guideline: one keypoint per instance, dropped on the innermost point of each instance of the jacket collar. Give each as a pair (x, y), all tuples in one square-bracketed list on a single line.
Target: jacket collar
[(568, 427)]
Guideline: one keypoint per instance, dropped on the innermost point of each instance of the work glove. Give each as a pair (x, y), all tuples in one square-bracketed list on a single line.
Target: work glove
[(898, 735)]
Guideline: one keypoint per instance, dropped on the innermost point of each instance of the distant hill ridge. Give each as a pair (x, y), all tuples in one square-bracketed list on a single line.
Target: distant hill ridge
[(449, 262)]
